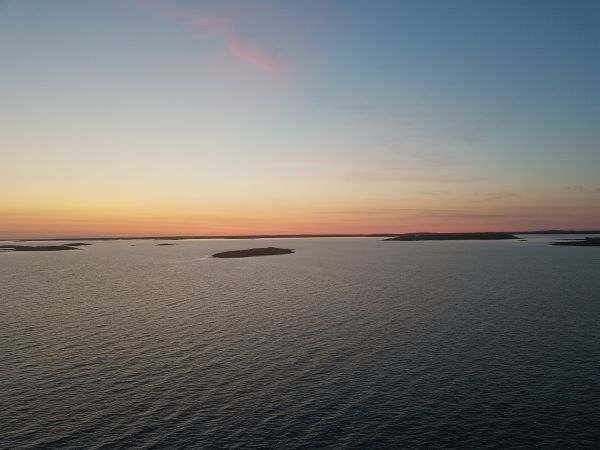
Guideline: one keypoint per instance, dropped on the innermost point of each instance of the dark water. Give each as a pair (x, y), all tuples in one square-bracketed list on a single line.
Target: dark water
[(348, 343)]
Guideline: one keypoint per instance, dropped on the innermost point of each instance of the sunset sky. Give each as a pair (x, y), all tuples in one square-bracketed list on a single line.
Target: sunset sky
[(164, 117)]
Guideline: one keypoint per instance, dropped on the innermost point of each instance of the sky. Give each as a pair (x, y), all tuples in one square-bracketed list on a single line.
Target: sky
[(194, 117)]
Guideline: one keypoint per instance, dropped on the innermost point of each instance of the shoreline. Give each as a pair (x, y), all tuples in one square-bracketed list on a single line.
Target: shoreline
[(287, 236)]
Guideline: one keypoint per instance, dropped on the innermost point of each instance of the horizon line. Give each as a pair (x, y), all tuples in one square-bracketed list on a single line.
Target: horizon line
[(284, 236)]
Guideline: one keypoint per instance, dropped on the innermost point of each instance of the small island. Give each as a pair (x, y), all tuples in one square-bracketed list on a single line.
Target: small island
[(35, 248), (587, 242), (452, 237), (266, 251), (164, 243)]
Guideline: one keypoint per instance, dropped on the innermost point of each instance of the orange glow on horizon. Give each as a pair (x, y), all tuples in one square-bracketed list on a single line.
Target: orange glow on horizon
[(125, 220)]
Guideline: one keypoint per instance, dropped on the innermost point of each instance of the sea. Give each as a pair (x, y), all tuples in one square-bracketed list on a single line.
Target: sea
[(348, 343)]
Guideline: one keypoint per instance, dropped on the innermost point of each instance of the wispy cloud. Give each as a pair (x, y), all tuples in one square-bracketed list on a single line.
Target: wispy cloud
[(433, 193), (427, 148), (583, 190), (425, 213), (235, 44), (258, 58), (493, 196), (377, 177), (415, 212)]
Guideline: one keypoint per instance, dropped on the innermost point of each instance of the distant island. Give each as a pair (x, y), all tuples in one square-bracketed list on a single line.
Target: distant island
[(587, 242), (452, 237), (292, 236), (37, 248), (164, 243), (266, 251)]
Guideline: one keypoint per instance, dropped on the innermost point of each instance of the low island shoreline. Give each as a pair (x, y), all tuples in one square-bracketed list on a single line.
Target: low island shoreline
[(587, 242), (286, 236), (37, 248), (266, 251), (452, 237)]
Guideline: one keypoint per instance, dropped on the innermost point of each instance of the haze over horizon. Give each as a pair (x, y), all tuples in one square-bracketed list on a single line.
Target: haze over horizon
[(156, 117)]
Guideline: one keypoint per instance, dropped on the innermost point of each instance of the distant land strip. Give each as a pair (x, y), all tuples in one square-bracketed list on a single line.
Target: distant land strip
[(31, 248), (267, 251), (452, 237), (587, 242), (277, 236)]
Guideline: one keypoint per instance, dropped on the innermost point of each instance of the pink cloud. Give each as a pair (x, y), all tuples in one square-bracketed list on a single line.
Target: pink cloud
[(223, 26), (375, 177), (256, 57), (188, 17), (492, 196), (208, 23)]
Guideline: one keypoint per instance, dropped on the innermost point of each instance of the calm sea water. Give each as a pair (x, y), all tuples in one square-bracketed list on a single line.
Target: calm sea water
[(348, 343)]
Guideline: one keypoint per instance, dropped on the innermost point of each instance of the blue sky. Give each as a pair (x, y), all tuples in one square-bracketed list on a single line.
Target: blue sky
[(217, 116)]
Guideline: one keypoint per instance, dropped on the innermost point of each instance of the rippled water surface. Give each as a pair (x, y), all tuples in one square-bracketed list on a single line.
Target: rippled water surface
[(347, 343)]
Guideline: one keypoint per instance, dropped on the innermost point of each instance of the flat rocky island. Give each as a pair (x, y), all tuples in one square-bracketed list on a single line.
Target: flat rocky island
[(36, 248), (587, 242), (266, 251), (452, 237)]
